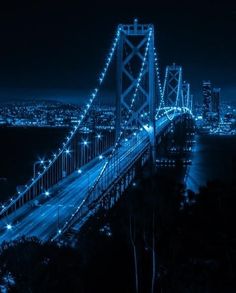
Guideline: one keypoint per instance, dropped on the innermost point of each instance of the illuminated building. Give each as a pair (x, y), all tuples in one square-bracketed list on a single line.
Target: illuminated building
[(206, 90)]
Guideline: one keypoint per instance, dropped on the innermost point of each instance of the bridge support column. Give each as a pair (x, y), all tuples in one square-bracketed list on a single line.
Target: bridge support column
[(152, 101), (136, 98)]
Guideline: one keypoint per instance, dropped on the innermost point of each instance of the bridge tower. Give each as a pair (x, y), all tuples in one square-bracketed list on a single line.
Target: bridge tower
[(131, 55), (173, 93), (186, 94), (191, 103)]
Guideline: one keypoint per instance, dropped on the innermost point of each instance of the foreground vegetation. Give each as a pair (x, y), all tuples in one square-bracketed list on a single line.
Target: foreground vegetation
[(158, 238)]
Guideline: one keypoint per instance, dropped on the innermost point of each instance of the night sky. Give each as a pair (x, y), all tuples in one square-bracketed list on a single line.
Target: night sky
[(61, 46)]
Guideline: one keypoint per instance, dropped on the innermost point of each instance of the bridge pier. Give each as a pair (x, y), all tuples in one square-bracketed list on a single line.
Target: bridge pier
[(176, 141)]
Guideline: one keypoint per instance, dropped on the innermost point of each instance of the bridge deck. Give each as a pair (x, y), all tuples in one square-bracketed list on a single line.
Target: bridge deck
[(44, 219)]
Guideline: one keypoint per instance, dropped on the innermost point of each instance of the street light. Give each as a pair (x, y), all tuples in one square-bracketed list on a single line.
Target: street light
[(67, 151), (47, 193), (9, 226), (65, 164), (85, 144), (99, 137), (39, 162)]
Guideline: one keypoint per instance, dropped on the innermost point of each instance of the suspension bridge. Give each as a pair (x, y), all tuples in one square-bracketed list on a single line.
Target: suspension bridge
[(91, 170)]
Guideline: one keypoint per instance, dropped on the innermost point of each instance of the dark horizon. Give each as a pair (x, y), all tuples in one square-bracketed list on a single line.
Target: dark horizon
[(61, 46)]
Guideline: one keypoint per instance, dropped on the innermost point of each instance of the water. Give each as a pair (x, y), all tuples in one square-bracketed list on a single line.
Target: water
[(214, 158), (19, 149)]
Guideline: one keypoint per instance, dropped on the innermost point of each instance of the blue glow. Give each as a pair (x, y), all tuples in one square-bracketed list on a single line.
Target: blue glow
[(120, 152), (9, 226), (67, 151)]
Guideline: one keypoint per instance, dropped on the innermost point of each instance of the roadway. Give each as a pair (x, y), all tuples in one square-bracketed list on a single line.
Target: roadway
[(44, 219)]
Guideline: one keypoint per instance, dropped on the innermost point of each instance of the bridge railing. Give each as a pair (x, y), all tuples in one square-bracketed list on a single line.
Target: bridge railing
[(65, 160), (113, 173), (79, 150)]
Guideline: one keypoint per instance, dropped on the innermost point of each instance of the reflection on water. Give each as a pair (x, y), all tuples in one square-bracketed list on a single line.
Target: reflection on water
[(213, 158)]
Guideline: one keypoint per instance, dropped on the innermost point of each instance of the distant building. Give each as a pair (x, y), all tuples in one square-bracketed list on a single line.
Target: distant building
[(215, 103), (206, 91), (186, 94)]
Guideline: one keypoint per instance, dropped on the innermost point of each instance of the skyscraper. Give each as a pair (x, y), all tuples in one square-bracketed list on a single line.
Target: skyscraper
[(186, 94), (215, 102), (206, 91)]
